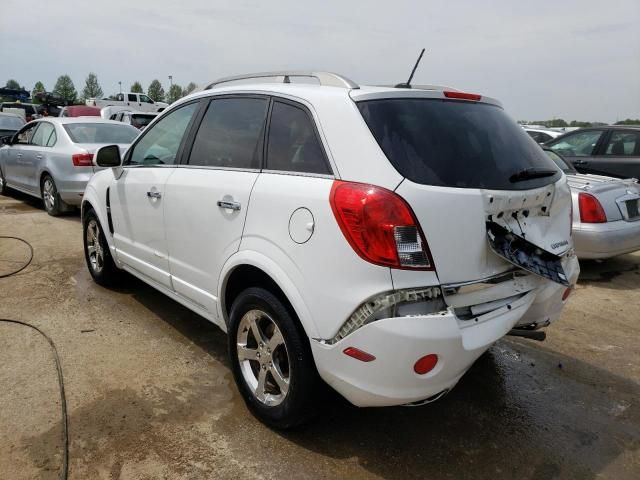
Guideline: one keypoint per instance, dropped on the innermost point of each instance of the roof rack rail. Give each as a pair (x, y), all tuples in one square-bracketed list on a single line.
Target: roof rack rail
[(325, 78)]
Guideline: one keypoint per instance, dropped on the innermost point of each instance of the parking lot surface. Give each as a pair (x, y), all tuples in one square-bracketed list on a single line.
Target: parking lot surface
[(150, 394)]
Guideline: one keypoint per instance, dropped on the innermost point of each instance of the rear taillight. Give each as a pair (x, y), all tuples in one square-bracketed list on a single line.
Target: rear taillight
[(590, 209), (379, 225), (462, 95), (82, 159)]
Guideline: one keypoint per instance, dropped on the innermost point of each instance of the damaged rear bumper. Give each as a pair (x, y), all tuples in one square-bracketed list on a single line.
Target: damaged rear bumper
[(478, 314)]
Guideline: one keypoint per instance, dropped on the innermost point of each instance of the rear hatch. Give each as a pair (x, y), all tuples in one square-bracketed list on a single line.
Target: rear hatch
[(468, 168)]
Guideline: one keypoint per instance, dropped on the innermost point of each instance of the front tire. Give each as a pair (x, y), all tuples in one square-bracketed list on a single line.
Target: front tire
[(96, 252), (53, 204), (271, 360)]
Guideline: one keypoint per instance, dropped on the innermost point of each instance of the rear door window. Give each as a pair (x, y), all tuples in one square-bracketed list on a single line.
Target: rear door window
[(43, 134), (577, 144), (293, 145), (456, 143), (132, 97), (230, 134), (623, 143)]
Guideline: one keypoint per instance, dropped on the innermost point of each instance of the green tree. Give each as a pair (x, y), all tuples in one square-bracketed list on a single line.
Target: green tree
[(38, 88), (91, 87), (629, 121), (156, 92), (13, 84), (65, 89), (137, 87), (575, 123), (189, 88), (174, 93)]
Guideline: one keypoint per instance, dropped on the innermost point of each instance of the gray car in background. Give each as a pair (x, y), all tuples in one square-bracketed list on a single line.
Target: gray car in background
[(606, 212), (52, 158)]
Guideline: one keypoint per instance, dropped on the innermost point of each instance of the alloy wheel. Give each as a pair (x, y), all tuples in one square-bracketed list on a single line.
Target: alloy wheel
[(48, 194), (94, 249), (263, 357)]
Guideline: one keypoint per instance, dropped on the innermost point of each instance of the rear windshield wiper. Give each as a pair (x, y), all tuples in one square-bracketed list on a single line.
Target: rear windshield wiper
[(529, 173)]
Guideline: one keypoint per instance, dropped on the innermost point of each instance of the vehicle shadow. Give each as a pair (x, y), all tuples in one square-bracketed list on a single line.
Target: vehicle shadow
[(618, 273), (15, 202), (522, 411)]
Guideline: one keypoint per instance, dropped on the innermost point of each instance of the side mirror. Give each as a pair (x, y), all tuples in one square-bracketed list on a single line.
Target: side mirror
[(6, 140), (108, 156)]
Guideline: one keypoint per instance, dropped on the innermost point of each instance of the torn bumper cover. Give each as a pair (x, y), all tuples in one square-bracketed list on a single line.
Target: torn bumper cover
[(526, 255)]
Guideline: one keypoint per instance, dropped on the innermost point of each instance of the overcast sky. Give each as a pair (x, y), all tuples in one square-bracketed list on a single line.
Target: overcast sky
[(571, 59)]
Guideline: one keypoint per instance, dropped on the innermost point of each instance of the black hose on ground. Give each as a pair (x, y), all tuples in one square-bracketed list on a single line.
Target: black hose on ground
[(63, 399), (5, 275)]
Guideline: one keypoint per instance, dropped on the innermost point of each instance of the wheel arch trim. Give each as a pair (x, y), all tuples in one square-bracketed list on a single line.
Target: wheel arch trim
[(279, 277)]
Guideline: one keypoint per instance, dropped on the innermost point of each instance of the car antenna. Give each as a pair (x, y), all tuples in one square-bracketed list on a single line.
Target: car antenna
[(408, 83)]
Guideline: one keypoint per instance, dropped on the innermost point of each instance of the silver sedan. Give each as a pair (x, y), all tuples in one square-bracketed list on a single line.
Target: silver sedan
[(52, 158), (606, 212)]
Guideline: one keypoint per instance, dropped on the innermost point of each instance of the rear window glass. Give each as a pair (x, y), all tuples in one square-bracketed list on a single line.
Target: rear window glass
[(293, 145), (560, 162), (138, 120), (454, 143), (100, 133)]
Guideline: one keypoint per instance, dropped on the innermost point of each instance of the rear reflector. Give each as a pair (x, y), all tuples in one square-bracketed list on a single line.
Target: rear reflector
[(463, 96), (379, 225), (590, 209), (358, 354), (566, 294), (426, 364), (82, 159)]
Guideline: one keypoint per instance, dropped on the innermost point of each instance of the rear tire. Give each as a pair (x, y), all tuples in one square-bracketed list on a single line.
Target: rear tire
[(3, 183), (276, 376), (53, 204), (97, 253)]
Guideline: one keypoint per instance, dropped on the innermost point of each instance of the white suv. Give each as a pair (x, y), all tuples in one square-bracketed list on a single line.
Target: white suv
[(379, 239)]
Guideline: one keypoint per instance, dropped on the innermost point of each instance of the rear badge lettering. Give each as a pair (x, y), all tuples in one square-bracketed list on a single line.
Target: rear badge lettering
[(563, 243)]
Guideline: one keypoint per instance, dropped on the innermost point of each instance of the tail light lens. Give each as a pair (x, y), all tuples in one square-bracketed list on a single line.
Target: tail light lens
[(82, 159), (462, 95), (590, 209), (380, 226)]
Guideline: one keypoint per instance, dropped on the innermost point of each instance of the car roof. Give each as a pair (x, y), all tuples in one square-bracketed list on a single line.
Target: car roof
[(314, 93), (65, 120), (545, 130)]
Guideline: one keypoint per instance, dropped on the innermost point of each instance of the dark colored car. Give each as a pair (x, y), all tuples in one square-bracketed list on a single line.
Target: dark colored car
[(612, 150)]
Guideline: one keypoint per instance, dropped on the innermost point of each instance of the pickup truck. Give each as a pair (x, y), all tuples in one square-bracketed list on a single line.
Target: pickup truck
[(135, 101)]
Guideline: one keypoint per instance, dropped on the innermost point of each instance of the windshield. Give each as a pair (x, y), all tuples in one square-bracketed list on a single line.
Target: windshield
[(455, 143), (100, 133), (141, 120), (560, 162), (10, 123)]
